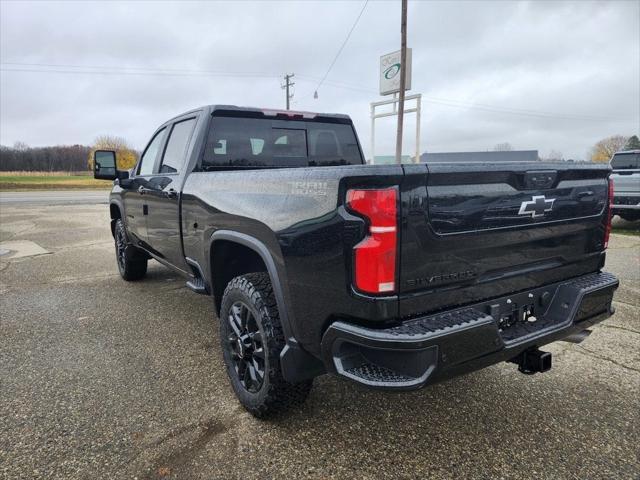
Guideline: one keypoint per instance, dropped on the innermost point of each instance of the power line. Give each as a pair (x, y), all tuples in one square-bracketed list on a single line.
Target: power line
[(479, 106), (41, 68), (151, 71), (124, 70), (353, 27), (118, 69), (515, 111)]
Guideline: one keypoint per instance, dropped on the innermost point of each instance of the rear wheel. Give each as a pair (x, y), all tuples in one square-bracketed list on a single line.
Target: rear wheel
[(252, 339), (132, 263)]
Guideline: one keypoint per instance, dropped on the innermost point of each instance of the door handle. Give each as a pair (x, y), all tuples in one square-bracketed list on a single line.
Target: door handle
[(171, 193), (588, 193)]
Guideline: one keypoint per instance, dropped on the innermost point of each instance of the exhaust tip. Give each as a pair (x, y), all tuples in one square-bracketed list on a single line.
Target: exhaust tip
[(578, 337)]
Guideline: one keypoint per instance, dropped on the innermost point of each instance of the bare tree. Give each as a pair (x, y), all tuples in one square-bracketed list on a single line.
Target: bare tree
[(553, 156), (605, 148), (503, 147), (111, 142), (126, 157), (59, 158)]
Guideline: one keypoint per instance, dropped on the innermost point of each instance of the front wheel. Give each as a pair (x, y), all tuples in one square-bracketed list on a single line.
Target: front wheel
[(132, 264), (252, 339)]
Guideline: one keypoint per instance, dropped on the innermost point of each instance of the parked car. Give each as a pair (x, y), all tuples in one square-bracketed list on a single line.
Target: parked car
[(626, 182), (393, 276)]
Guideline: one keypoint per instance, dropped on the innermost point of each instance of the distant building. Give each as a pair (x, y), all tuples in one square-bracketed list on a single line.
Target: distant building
[(391, 159), (481, 157)]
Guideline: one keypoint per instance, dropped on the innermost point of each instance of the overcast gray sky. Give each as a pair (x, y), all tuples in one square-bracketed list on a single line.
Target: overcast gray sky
[(546, 75)]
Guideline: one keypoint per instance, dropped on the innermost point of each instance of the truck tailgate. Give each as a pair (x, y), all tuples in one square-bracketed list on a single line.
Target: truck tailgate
[(475, 231)]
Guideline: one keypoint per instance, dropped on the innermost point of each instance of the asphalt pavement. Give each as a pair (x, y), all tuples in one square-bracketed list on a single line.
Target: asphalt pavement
[(100, 378), (55, 197)]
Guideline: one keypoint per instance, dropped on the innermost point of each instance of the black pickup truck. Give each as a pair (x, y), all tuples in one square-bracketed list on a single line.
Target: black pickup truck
[(393, 276)]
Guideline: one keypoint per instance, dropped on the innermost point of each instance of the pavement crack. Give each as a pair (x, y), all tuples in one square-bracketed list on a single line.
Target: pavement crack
[(622, 328), (173, 289), (201, 434), (626, 303), (83, 245), (12, 235), (68, 280), (591, 353)]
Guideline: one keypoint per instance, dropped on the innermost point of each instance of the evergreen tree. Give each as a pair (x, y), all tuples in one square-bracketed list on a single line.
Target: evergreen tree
[(633, 143)]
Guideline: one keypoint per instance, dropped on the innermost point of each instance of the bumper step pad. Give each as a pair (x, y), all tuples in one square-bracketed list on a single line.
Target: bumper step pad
[(410, 352), (405, 356), (444, 322), (376, 374)]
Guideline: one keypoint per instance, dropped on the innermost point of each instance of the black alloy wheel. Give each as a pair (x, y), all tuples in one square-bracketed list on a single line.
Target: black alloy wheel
[(252, 339), (245, 342), (121, 247), (132, 262)]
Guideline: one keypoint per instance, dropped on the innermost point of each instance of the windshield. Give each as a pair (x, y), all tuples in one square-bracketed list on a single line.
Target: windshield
[(625, 161)]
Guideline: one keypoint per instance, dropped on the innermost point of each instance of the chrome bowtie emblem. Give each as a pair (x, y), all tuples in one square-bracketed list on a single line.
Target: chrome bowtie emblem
[(537, 206)]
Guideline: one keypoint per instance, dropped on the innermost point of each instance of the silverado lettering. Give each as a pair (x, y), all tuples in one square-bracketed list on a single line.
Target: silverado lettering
[(445, 277)]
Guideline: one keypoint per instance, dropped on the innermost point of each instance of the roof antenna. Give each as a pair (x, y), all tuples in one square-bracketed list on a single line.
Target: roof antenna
[(315, 94)]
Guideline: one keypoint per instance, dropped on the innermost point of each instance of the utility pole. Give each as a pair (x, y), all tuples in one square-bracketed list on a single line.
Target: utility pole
[(287, 84), (403, 78)]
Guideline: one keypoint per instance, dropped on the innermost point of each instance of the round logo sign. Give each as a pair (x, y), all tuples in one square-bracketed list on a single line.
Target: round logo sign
[(392, 71)]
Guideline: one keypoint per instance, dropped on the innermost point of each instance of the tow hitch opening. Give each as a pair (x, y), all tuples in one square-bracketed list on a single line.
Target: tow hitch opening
[(533, 361)]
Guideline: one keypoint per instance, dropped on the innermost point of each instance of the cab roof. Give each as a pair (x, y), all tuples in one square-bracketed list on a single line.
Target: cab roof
[(267, 112)]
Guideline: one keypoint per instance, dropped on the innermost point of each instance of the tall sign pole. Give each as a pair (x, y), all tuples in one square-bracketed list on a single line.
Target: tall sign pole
[(403, 78)]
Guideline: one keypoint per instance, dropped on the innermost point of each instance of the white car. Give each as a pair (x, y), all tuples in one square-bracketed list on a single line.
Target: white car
[(626, 180)]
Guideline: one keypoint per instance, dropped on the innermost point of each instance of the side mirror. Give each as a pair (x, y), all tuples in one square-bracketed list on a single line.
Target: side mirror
[(104, 165), (123, 179)]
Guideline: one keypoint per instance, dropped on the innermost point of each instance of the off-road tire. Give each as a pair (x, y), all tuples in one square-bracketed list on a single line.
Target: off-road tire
[(274, 394), (132, 263)]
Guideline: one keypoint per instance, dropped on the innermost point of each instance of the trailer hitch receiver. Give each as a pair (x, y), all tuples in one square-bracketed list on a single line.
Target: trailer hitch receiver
[(533, 361)]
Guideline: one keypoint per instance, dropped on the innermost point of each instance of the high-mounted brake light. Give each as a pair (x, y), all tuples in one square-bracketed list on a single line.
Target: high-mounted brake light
[(375, 256), (607, 228), (288, 113)]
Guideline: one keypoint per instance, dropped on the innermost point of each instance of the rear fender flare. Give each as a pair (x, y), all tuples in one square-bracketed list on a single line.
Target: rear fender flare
[(296, 363), (261, 249)]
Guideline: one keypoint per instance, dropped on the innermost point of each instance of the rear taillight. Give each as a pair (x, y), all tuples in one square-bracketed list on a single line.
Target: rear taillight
[(375, 256), (607, 228)]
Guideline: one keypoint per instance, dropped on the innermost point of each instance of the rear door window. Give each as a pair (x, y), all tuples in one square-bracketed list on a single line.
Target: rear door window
[(242, 142), (289, 143), (148, 159)]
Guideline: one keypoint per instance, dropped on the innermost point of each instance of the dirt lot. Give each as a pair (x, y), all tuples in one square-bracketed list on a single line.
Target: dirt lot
[(104, 379)]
